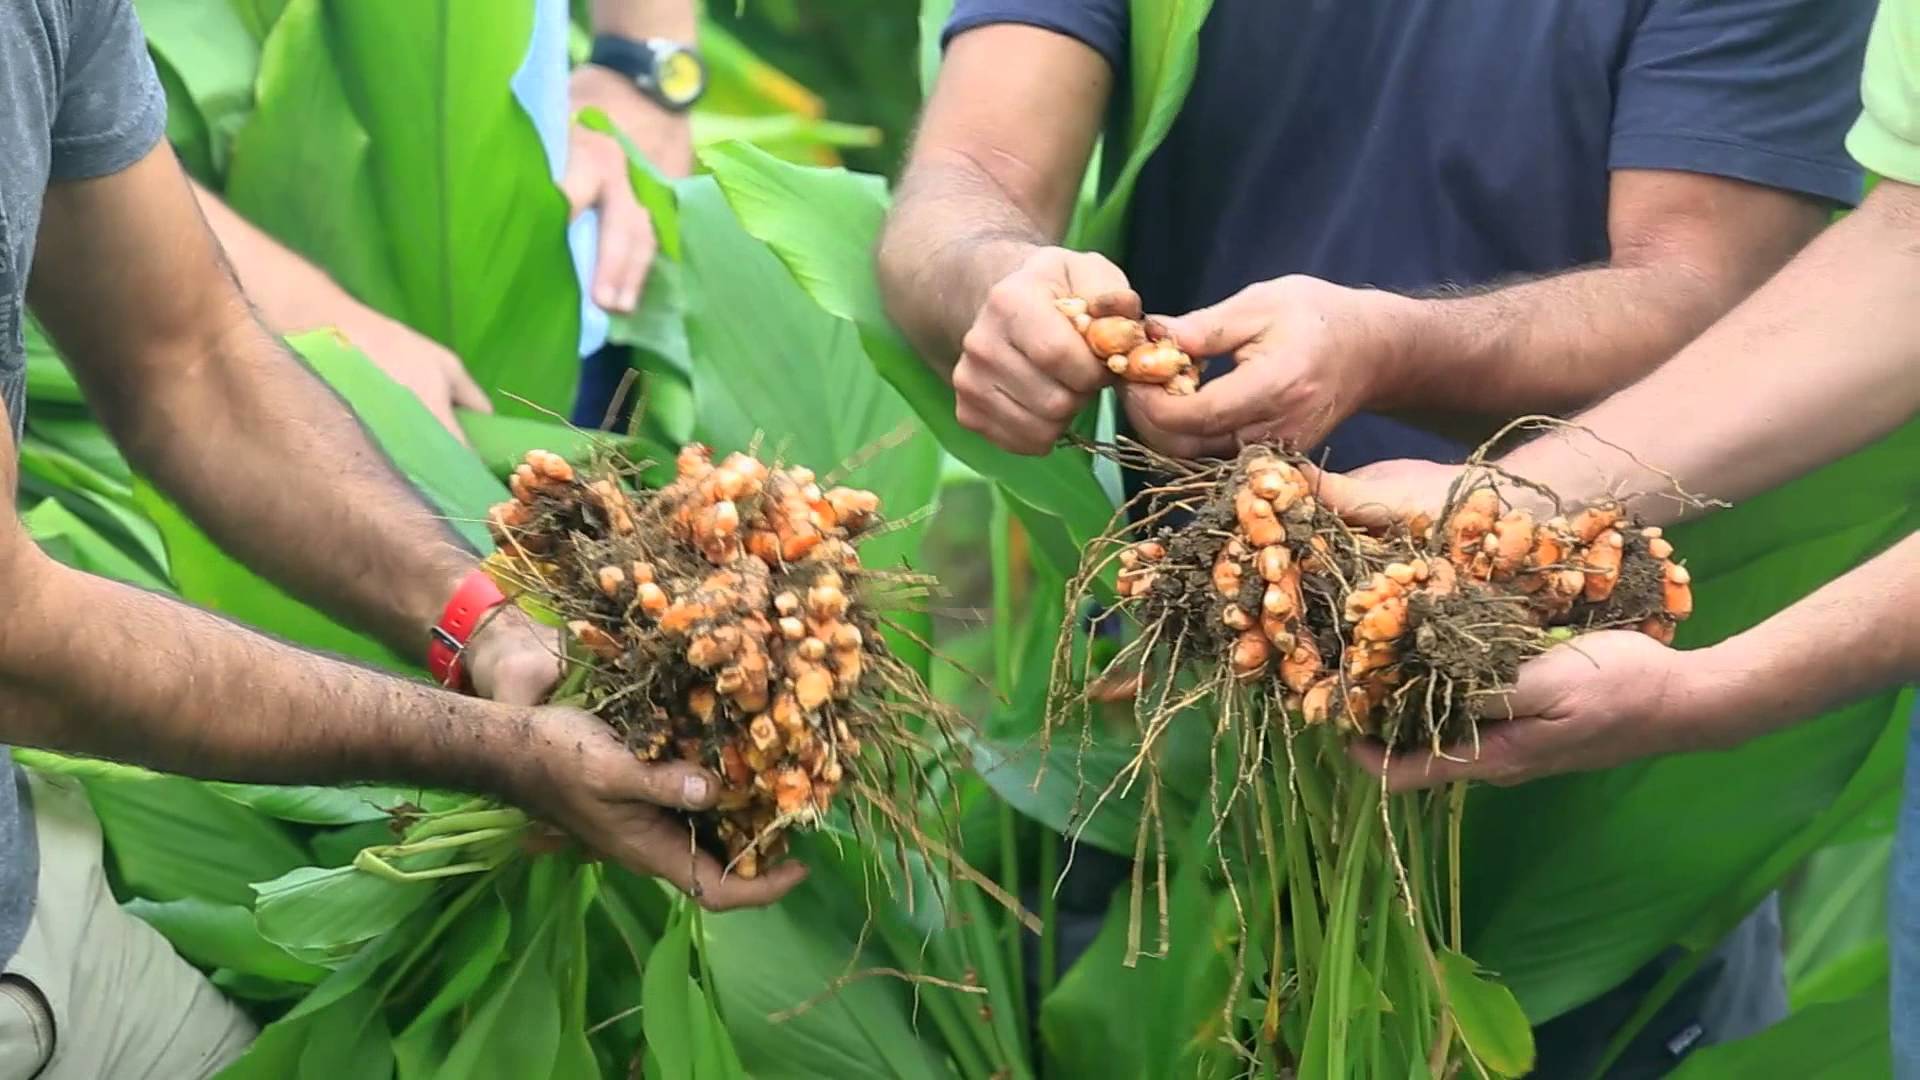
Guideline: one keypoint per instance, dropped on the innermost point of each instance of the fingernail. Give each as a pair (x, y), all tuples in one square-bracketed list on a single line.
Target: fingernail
[(628, 299), (694, 789), (604, 296)]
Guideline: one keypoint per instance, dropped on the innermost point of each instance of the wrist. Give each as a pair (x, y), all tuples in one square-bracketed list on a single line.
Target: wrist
[(1705, 690), (1387, 328)]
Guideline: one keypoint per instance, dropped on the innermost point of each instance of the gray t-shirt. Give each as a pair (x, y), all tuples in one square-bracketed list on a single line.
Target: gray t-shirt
[(78, 100)]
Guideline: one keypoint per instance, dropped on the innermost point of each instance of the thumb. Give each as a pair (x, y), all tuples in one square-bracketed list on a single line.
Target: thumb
[(676, 784), (582, 189), (1352, 497), (1541, 682)]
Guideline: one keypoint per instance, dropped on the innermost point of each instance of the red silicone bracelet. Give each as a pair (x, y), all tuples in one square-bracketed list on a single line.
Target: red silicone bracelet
[(476, 596)]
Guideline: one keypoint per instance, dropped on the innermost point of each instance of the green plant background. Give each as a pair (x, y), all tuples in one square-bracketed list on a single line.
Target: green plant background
[(380, 140)]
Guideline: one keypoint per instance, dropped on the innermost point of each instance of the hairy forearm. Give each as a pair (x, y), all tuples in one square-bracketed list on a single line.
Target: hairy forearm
[(91, 666), (953, 233), (671, 19), (1545, 346), (1822, 360), (1858, 635), (291, 293), (356, 540)]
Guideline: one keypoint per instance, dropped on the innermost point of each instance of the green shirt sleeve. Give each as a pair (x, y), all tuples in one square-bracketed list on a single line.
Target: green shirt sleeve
[(1886, 138)]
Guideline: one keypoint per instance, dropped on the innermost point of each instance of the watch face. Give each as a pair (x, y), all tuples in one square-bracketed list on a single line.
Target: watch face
[(680, 78)]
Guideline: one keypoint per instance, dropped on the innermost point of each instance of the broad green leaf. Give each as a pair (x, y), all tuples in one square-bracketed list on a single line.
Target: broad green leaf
[(1148, 1020), (474, 947), (318, 805), (1163, 38), (1842, 1040), (321, 915), (215, 55), (388, 147), (823, 223), (933, 16), (350, 1039), (1574, 883), (172, 839), (770, 960), (792, 372), (222, 935), (79, 545), (48, 380), (514, 1032), (666, 1007), (1835, 908), (449, 476), (1490, 1019)]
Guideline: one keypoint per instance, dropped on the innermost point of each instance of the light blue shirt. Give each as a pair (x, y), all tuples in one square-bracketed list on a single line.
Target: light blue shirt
[(541, 87)]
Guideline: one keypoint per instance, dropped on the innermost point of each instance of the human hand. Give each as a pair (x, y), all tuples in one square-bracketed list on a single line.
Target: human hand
[(597, 178), (429, 370), (1024, 371), (580, 776), (1378, 495), (1595, 702), (512, 659), (664, 138), (1309, 353)]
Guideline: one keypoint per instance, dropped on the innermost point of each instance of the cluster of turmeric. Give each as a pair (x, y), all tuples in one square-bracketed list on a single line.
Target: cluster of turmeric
[(1136, 348), (717, 620), (1417, 620)]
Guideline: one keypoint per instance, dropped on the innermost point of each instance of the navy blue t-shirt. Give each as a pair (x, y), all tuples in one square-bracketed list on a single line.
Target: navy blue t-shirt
[(1431, 143)]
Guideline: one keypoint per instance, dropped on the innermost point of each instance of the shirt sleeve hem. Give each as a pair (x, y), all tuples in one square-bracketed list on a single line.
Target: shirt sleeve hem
[(1716, 155), (1109, 47), (104, 153), (1879, 148)]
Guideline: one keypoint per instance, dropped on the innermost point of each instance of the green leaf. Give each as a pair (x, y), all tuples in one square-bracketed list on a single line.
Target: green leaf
[(447, 474), (474, 947), (172, 839), (666, 1000), (79, 545), (933, 16), (1490, 1019), (350, 1039), (318, 805), (515, 1030), (321, 915), (769, 960), (1842, 1040), (222, 935), (1163, 37), (823, 224), (215, 55), (387, 147)]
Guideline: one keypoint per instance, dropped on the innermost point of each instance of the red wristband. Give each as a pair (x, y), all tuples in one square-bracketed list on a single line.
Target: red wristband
[(448, 638)]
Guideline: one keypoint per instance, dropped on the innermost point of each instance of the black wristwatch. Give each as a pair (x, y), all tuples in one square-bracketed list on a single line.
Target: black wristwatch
[(670, 73)]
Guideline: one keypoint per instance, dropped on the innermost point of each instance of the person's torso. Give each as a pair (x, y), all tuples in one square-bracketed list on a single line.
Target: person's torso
[(1408, 146), (33, 41)]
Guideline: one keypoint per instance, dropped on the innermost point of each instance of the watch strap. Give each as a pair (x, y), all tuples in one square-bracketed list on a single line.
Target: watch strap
[(447, 640)]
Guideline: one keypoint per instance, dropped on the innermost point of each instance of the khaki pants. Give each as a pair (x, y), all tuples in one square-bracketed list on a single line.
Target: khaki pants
[(94, 992)]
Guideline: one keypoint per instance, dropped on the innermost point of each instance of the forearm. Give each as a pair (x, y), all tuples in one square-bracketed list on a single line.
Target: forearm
[(1545, 346), (291, 293), (675, 20), (1822, 360), (953, 233), (91, 666), (356, 539), (1855, 637)]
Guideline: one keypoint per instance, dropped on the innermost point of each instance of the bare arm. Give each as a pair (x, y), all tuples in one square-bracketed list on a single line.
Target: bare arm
[(1822, 360), (223, 419), (1685, 248), (293, 295), (966, 261)]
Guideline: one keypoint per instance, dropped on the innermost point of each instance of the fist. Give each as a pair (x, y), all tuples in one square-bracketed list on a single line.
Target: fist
[(1024, 371)]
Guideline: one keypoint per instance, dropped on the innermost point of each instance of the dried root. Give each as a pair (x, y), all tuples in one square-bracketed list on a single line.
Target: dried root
[(1136, 348), (726, 620)]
